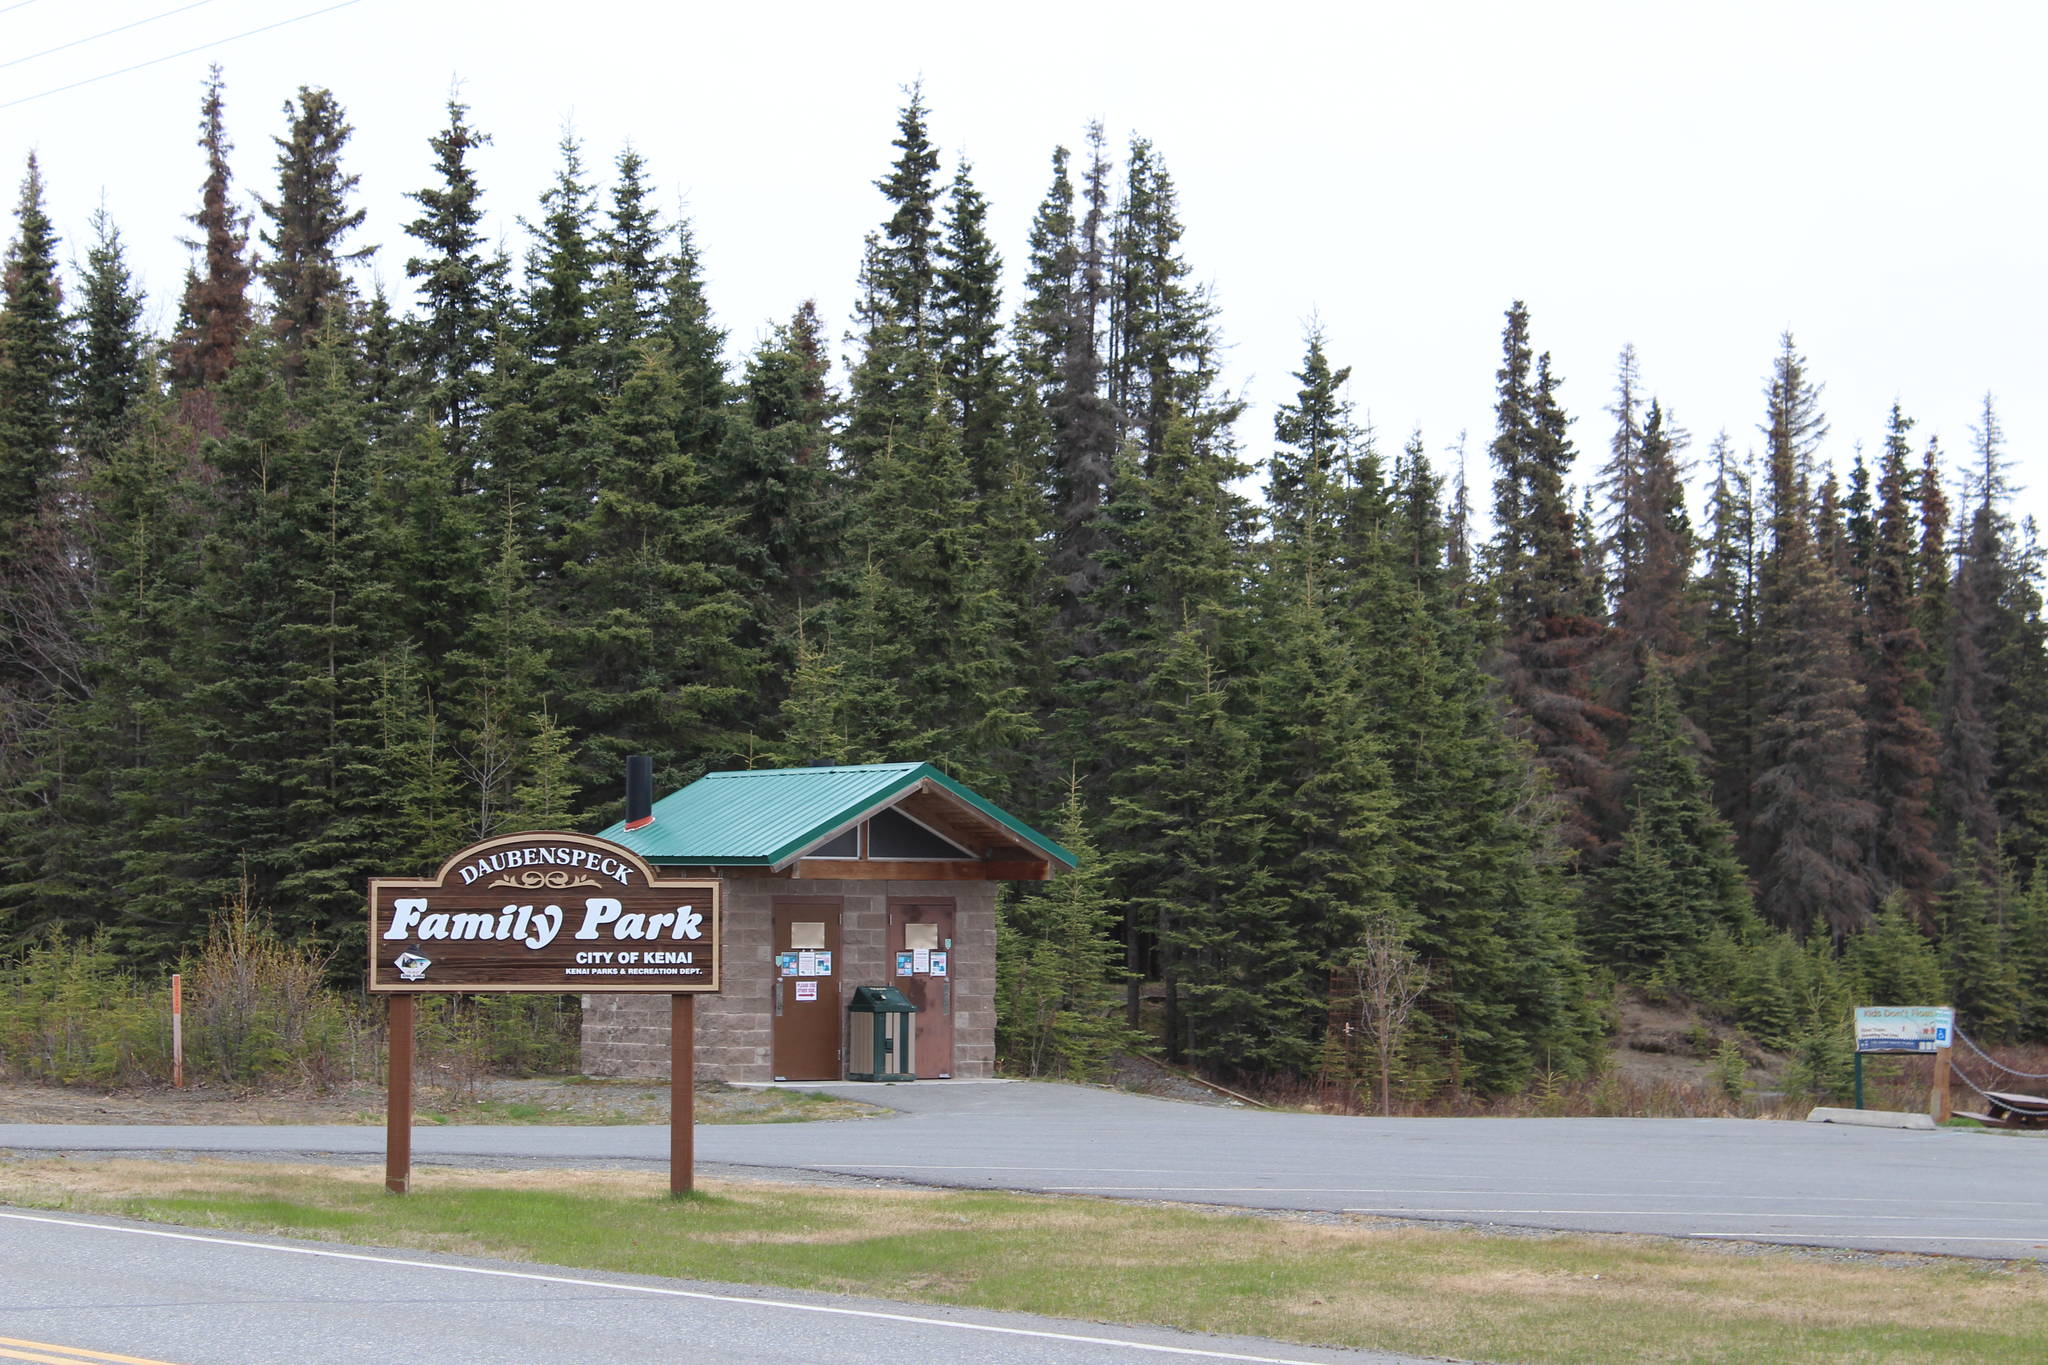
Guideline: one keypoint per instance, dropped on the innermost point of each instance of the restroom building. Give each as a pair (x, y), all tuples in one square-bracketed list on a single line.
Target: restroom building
[(873, 875)]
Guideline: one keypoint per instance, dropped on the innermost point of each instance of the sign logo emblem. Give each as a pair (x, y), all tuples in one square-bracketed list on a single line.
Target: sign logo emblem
[(412, 965)]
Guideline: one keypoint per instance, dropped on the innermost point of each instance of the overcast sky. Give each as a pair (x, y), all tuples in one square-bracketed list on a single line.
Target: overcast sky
[(1693, 179)]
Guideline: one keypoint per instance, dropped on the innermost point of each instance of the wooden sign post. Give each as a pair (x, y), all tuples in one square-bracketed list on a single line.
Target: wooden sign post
[(398, 1012), (682, 1094), (1938, 1098), (543, 912)]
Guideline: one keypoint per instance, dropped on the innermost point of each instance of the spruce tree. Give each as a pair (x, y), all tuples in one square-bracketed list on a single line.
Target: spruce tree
[(776, 478), (1551, 642), (111, 847), (1904, 750), (643, 659), (1969, 752), (1931, 568), (459, 291), (1621, 477), (1892, 962), (1324, 784), (967, 309), (1163, 357), (1172, 636), (542, 396), (292, 617), (1059, 349), (634, 281), (214, 314), (1199, 908), (1313, 438), (1475, 877), (496, 680), (1059, 966), (683, 321), (897, 333), (309, 220), (1975, 965), (1652, 543), (917, 521), (1725, 691), (1859, 525), (2027, 947), (2019, 702), (35, 373), (982, 388), (1813, 826), (113, 374), (1677, 880)]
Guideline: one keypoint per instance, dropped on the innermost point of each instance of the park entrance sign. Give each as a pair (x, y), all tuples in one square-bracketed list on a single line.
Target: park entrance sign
[(544, 912)]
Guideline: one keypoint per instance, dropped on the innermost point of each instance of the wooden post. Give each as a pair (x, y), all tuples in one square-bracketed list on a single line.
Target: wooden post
[(682, 1094), (398, 1095), (1937, 1102)]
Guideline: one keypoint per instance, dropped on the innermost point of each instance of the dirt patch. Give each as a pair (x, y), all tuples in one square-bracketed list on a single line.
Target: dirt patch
[(544, 1100), (1147, 1077), (1659, 1044)]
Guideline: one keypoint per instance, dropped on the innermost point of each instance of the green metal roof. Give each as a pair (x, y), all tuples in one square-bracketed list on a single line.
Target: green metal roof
[(769, 817)]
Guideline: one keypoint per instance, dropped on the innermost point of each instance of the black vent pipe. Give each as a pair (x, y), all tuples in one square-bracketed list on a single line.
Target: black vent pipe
[(639, 790)]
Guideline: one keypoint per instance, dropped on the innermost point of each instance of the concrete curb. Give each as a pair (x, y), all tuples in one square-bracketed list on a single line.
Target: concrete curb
[(1873, 1118)]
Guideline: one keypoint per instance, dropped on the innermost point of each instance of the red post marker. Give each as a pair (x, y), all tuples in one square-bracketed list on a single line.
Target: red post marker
[(177, 1031)]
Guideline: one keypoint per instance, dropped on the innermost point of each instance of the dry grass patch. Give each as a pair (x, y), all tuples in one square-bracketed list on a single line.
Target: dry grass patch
[(1562, 1298)]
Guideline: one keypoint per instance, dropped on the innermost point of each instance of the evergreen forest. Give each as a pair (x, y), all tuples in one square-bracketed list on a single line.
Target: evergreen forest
[(1377, 771)]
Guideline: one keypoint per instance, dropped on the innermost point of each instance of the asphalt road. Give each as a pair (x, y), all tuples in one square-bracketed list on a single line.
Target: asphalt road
[(1952, 1192), (85, 1289)]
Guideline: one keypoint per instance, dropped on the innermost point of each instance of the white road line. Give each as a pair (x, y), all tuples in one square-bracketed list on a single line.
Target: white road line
[(1704, 1213), (1152, 1170), (661, 1291), (1889, 1237), (928, 1166), (1542, 1194)]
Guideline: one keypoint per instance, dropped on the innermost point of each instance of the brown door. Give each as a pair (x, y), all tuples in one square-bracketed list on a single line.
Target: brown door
[(921, 941), (807, 968)]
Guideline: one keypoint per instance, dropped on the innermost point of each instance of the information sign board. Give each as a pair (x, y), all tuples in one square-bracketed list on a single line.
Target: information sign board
[(1905, 1028), (544, 912)]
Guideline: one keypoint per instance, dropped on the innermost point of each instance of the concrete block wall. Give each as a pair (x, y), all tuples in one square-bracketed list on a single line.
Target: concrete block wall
[(627, 1035)]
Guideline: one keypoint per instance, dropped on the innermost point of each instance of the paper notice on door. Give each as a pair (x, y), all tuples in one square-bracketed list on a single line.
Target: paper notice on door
[(920, 960), (807, 990), (807, 963), (938, 964), (785, 964), (906, 964)]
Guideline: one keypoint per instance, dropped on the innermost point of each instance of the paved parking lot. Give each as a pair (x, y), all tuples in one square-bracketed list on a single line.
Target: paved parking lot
[(1953, 1192)]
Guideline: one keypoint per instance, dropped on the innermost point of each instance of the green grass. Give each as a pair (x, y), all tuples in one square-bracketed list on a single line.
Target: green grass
[(1547, 1298)]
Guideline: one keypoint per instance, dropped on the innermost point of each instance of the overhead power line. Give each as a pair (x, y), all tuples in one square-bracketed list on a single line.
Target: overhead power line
[(173, 56), (19, 4), (80, 42)]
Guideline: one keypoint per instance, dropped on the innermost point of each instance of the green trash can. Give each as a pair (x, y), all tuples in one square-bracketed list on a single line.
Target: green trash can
[(878, 1036)]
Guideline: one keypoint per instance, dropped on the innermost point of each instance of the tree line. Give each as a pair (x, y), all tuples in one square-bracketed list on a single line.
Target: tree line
[(316, 587)]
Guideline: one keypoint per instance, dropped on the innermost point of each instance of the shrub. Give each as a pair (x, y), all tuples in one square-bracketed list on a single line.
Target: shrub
[(70, 1014), (1730, 1073), (258, 1009)]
